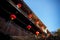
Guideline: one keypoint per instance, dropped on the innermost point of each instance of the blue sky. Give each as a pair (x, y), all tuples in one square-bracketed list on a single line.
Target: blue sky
[(48, 11)]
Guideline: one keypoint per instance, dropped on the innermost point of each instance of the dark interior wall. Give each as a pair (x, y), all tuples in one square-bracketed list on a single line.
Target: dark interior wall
[(10, 29)]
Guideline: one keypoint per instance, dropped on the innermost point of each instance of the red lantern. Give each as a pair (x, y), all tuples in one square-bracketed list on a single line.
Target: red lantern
[(43, 36), (37, 22), (19, 5), (42, 27), (30, 16), (48, 34), (29, 27), (37, 33), (13, 16)]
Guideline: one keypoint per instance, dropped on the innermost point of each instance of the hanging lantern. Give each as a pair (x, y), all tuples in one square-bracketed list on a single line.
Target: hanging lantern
[(13, 16), (19, 5), (37, 22), (37, 33), (30, 16), (48, 34), (43, 36), (29, 27), (42, 27)]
